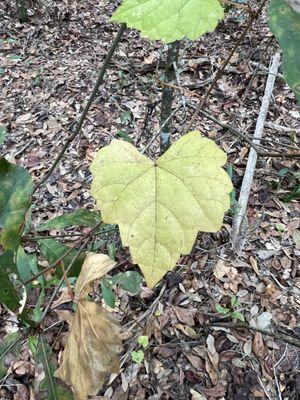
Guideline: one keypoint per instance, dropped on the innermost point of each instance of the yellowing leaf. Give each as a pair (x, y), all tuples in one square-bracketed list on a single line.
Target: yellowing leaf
[(161, 205), (94, 266), (93, 343)]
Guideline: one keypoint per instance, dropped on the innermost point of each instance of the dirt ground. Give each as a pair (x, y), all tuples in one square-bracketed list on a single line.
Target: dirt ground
[(47, 70)]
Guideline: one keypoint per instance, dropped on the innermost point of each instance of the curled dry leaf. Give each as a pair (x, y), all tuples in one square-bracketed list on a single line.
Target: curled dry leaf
[(94, 342)]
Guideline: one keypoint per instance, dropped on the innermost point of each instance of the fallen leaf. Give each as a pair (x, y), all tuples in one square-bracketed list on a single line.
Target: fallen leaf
[(94, 339), (258, 345), (185, 315)]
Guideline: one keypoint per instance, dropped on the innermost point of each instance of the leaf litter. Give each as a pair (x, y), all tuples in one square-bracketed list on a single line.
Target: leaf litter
[(42, 95)]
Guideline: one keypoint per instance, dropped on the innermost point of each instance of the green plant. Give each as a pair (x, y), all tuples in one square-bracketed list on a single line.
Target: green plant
[(232, 311)]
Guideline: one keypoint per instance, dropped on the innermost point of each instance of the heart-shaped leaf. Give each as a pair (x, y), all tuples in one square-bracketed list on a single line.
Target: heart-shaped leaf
[(170, 20), (160, 206)]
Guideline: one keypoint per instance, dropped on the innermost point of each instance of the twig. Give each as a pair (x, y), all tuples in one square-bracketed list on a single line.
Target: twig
[(291, 339), (66, 272), (87, 107), (221, 70), (237, 233), (55, 264)]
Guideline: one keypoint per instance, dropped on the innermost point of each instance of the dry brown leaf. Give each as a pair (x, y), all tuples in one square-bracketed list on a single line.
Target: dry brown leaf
[(258, 345), (185, 315), (91, 351), (94, 338), (94, 266)]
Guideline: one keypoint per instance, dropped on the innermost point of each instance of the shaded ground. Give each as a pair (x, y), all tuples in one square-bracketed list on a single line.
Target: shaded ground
[(48, 68)]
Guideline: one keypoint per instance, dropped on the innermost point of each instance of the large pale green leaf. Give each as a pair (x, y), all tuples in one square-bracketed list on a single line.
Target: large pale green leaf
[(285, 24), (15, 193), (54, 250), (76, 218), (160, 206), (170, 20)]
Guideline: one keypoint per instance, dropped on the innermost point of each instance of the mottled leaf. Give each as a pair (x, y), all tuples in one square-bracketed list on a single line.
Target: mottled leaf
[(53, 250), (76, 218), (285, 24), (161, 205), (15, 194), (170, 20), (107, 293)]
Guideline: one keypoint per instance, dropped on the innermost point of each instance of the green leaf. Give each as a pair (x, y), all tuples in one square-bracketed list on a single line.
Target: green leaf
[(234, 301), (143, 340), (16, 190), (237, 315), (294, 195), (137, 356), (170, 20), (160, 206), (129, 280), (123, 135), (222, 310), (53, 250), (26, 264), (49, 386), (107, 293), (8, 294), (76, 218), (2, 134), (9, 344), (111, 249), (285, 24)]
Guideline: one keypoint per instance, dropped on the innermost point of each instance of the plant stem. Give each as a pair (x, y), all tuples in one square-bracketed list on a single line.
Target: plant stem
[(22, 11), (87, 107), (167, 96)]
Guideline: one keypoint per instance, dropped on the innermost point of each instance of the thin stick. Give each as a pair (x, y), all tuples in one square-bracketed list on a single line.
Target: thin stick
[(291, 339), (87, 107), (237, 233), (221, 70)]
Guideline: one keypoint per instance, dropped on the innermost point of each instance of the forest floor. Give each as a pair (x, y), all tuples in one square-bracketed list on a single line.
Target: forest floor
[(47, 70)]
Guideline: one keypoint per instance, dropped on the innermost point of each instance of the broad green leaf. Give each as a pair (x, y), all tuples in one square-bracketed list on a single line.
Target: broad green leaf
[(129, 280), (48, 387), (161, 205), (170, 20), (107, 293), (15, 193), (8, 294), (2, 134), (26, 264), (76, 218), (9, 344), (285, 24), (93, 343), (52, 250)]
